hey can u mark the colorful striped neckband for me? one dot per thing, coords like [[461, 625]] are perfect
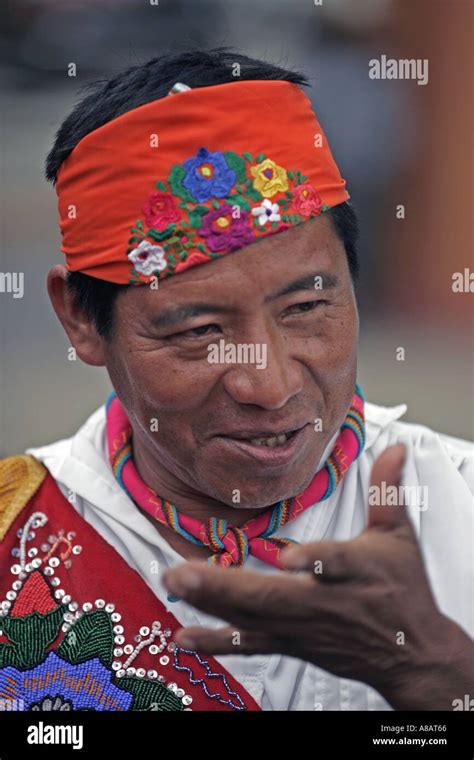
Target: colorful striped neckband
[[231, 545]]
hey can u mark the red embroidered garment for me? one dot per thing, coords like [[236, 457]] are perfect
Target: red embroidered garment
[[81, 630]]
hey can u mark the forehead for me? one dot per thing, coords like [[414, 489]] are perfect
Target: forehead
[[257, 269]]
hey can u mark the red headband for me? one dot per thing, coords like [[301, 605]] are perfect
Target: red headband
[[191, 177]]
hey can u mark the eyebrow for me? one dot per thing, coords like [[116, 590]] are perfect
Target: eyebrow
[[179, 314]]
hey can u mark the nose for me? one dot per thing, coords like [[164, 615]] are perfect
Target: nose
[[271, 386]]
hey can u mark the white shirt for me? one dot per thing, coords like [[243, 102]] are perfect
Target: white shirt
[[80, 466]]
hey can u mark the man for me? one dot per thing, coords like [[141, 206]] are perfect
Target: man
[[235, 432]]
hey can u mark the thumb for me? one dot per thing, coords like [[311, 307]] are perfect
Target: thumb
[[386, 508]]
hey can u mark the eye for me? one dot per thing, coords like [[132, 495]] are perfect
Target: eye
[[301, 308], [197, 332]]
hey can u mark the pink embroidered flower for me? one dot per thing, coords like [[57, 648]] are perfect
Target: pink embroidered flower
[[306, 200], [160, 210], [194, 258]]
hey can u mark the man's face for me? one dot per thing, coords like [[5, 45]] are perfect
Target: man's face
[[158, 361]]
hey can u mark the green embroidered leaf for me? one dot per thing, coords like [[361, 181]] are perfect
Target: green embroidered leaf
[[161, 186], [274, 225], [183, 205], [8, 655], [195, 220], [132, 240], [283, 202], [237, 164], [156, 235], [260, 158], [248, 156], [201, 210], [90, 636], [140, 233], [250, 191], [175, 180], [215, 203], [201, 247], [288, 194], [290, 175], [239, 200], [324, 207], [150, 695], [139, 224], [182, 255], [32, 634], [285, 217]]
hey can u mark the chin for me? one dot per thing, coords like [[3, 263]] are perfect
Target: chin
[[264, 494]]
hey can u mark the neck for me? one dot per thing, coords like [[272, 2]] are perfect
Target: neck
[[190, 501], [187, 500]]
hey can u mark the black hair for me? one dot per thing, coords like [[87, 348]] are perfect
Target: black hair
[[108, 99]]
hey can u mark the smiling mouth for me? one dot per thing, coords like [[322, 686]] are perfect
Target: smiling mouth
[[273, 441]]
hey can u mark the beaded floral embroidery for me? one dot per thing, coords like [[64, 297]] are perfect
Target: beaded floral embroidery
[[89, 667], [214, 203]]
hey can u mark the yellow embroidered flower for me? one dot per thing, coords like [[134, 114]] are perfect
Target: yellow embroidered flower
[[270, 178]]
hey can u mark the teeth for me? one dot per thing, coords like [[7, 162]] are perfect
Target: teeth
[[277, 440]]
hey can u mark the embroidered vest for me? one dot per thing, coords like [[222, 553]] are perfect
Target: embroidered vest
[[79, 628]]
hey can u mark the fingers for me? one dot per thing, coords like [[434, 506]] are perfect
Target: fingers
[[386, 508], [244, 597], [329, 561], [228, 640]]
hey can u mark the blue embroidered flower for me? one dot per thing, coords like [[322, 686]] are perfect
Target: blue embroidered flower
[[208, 175], [87, 685]]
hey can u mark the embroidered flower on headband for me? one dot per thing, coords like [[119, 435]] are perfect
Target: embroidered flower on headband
[[148, 258], [267, 212], [160, 210], [223, 231], [270, 179], [213, 203], [208, 175]]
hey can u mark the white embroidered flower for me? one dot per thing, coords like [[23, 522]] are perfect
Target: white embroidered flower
[[267, 212], [148, 258]]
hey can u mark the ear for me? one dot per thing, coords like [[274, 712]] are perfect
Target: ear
[[80, 329]]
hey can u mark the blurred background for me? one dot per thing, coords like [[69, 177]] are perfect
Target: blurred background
[[396, 142]]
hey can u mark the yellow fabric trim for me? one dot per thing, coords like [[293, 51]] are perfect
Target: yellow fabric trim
[[20, 477]]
